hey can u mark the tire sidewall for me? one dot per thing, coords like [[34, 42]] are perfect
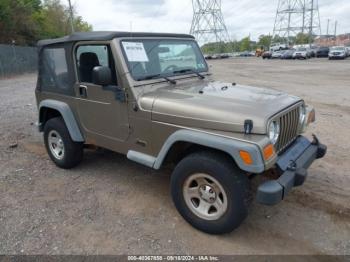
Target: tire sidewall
[[72, 150], [233, 182]]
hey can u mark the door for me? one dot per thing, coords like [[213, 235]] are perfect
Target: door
[[103, 116]]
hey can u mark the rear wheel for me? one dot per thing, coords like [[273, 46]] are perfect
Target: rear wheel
[[63, 151], [210, 192]]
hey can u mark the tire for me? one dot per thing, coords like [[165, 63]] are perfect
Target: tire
[[57, 139], [230, 187]]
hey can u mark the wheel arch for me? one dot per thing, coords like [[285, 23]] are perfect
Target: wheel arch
[[200, 140], [51, 108]]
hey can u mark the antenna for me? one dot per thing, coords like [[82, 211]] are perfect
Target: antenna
[[208, 24], [296, 16]]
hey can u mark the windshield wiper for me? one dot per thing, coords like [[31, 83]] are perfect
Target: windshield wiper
[[172, 81], [190, 71]]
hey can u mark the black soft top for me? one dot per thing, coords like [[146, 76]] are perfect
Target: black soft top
[[105, 35]]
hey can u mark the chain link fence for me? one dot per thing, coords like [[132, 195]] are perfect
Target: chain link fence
[[16, 60]]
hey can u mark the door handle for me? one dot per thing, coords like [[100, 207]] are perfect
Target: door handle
[[83, 91]]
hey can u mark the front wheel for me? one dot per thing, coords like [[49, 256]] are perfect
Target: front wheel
[[210, 192]]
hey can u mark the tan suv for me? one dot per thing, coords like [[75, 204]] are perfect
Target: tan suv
[[151, 97]]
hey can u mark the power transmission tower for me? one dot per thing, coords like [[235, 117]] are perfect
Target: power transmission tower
[[297, 16], [208, 24]]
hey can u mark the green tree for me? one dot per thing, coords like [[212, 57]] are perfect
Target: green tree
[[303, 39], [25, 22], [16, 22], [245, 44], [264, 41]]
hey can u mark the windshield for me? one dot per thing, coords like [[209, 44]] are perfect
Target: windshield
[[338, 48], [301, 49], [157, 58]]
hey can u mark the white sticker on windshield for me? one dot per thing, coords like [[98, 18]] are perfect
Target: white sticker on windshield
[[135, 52]]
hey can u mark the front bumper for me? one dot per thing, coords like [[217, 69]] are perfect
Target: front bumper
[[292, 165], [337, 56], [299, 56]]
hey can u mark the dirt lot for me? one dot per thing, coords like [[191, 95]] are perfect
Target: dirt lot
[[109, 205]]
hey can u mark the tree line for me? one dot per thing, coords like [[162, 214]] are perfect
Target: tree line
[[245, 44], [24, 22]]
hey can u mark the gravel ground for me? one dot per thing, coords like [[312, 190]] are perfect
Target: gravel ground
[[109, 205]]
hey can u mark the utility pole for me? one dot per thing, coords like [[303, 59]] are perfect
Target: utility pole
[[304, 11], [311, 23], [335, 32], [328, 26], [71, 16]]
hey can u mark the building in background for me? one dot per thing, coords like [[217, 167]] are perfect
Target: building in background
[[331, 40]]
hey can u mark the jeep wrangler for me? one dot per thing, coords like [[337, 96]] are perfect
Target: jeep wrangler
[[151, 96]]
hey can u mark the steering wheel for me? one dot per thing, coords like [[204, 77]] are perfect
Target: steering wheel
[[168, 68]]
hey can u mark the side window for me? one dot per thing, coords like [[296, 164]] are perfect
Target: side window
[[54, 71], [89, 56]]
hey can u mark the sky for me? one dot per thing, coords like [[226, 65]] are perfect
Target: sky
[[242, 17]]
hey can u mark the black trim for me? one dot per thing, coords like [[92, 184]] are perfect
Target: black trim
[[106, 36], [299, 157]]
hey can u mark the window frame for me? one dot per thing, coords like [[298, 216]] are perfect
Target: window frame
[[110, 53], [206, 69], [56, 89]]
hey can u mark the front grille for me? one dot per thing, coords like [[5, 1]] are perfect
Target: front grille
[[289, 127]]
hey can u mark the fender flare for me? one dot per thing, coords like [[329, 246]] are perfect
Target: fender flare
[[230, 146], [67, 115]]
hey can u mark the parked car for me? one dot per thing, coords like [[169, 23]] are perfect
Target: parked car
[[246, 54], [322, 52], [288, 54], [208, 57], [224, 56], [313, 51], [112, 90], [278, 46], [301, 53], [347, 50], [266, 55], [277, 54], [337, 52]]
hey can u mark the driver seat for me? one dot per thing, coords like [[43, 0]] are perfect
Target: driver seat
[[87, 62]]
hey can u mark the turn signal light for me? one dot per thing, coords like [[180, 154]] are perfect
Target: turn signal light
[[247, 159], [268, 151], [312, 117]]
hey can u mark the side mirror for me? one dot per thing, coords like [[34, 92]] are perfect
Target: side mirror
[[102, 75]]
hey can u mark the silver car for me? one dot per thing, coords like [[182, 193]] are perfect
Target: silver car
[[302, 53], [337, 52], [277, 54]]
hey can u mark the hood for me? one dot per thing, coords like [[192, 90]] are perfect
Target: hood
[[215, 105]]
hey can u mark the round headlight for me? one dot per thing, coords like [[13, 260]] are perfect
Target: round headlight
[[274, 131], [302, 115]]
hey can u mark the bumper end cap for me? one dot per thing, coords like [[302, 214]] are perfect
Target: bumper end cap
[[270, 193], [321, 151]]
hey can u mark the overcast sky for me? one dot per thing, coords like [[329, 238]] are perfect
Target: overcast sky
[[242, 17]]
